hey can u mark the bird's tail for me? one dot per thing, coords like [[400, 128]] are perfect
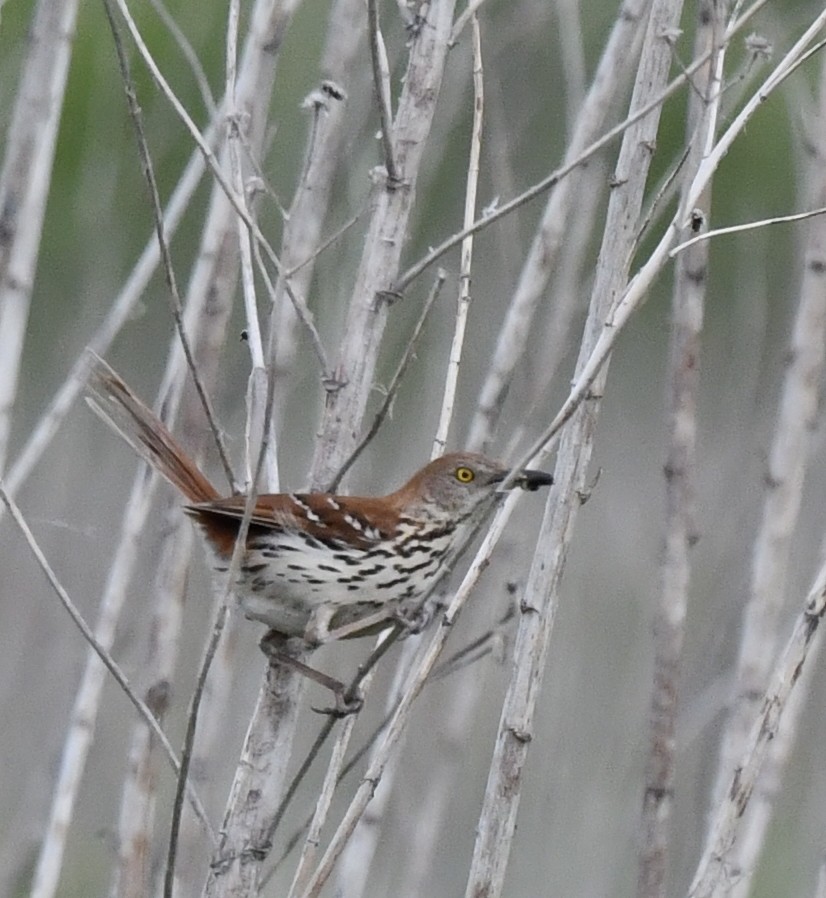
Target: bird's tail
[[112, 400]]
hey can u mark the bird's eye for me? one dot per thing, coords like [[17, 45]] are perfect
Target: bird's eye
[[464, 475]]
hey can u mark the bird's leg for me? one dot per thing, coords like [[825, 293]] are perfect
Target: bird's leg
[[347, 701], [317, 632], [368, 624]]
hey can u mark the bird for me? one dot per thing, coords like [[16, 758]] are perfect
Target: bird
[[322, 566]]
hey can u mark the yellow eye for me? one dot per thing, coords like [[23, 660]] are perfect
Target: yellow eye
[[464, 475]]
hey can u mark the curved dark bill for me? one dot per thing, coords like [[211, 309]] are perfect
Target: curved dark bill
[[532, 480]]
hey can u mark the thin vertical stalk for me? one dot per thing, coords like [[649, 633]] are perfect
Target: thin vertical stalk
[[688, 304], [463, 305], [392, 205], [497, 820], [611, 77], [257, 789], [797, 415], [24, 185]]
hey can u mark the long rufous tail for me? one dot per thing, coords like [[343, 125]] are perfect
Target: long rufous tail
[[112, 400]]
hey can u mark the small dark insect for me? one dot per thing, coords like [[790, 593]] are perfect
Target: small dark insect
[[333, 90]]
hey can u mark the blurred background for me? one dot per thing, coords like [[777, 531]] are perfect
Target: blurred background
[[579, 815]]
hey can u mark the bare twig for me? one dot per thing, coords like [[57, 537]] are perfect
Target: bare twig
[[748, 226], [775, 541], [556, 176], [24, 185], [637, 290], [234, 199], [367, 313], [461, 22], [463, 306], [189, 55], [497, 820], [166, 259], [395, 381], [381, 85], [688, 305], [326, 243], [710, 880], [100, 650]]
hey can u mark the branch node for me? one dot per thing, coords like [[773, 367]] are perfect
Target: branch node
[[333, 381], [520, 734], [388, 296]]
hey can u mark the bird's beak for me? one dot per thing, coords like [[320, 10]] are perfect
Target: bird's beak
[[532, 480]]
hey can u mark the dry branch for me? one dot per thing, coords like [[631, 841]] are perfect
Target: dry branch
[[256, 792], [688, 306], [497, 820], [24, 185], [775, 541]]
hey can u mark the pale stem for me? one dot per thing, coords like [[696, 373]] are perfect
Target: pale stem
[[100, 650], [381, 85], [214, 165], [556, 176], [234, 127], [552, 236], [711, 879], [398, 722], [463, 305], [360, 852], [788, 462], [497, 820], [257, 383], [24, 185], [637, 290], [121, 311], [367, 312], [688, 305]]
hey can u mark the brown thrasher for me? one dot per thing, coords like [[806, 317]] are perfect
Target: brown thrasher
[[321, 566]]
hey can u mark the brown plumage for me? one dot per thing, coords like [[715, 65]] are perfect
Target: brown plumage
[[318, 565]]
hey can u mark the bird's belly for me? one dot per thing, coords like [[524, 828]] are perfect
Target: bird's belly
[[283, 581]]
